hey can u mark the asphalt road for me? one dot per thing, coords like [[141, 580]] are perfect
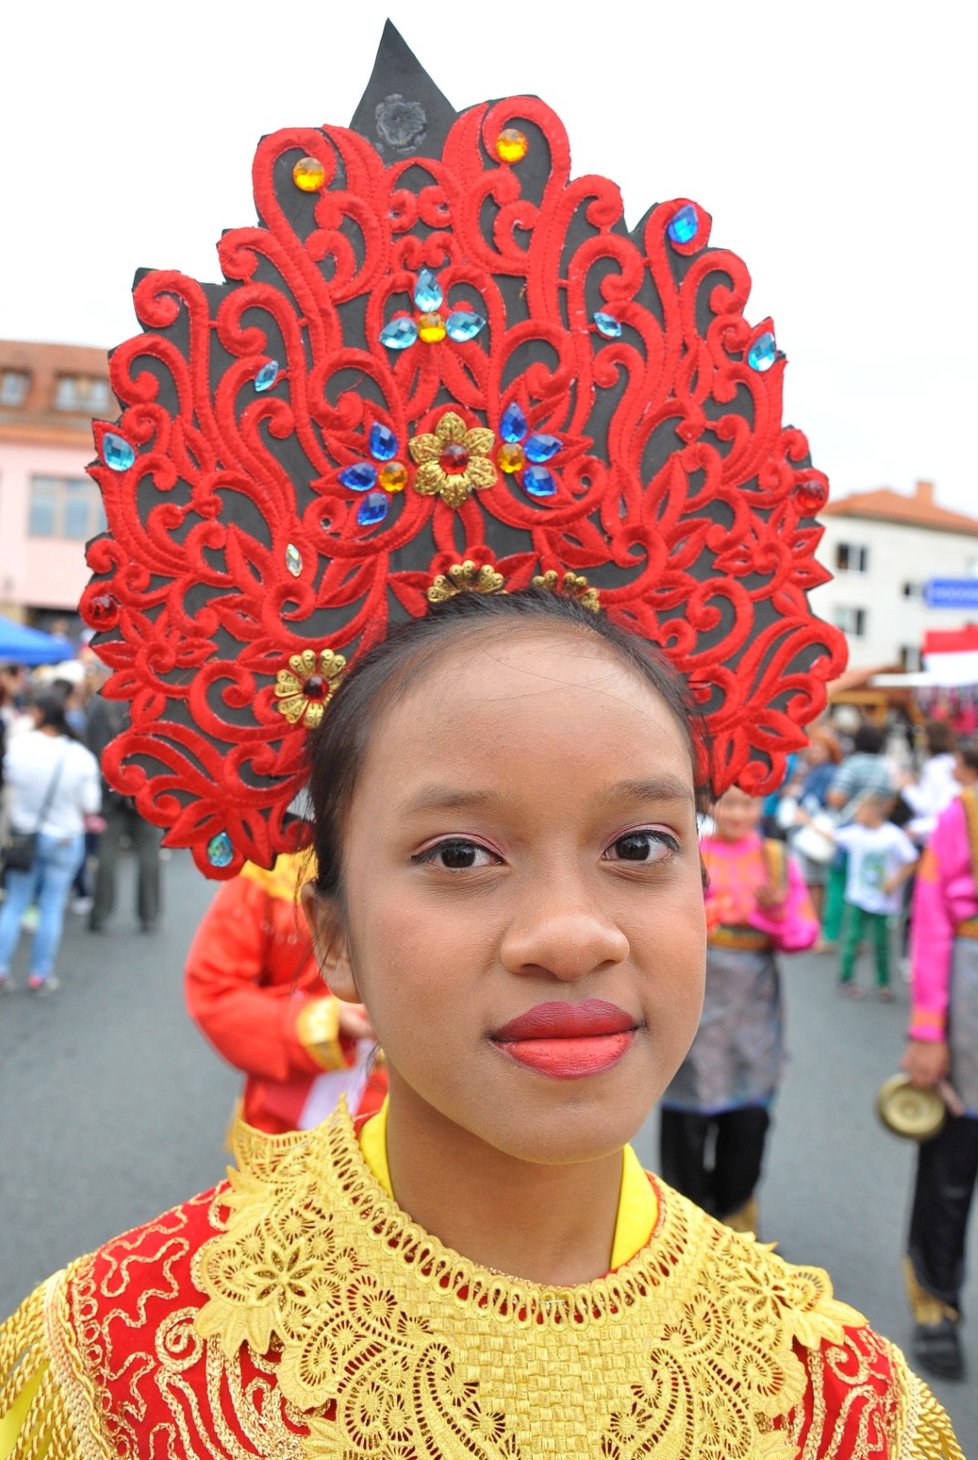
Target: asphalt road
[[112, 1108]]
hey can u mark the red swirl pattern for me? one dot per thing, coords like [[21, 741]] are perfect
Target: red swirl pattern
[[233, 544]]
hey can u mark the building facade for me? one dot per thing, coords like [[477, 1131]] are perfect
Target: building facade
[[49, 507], [883, 548]]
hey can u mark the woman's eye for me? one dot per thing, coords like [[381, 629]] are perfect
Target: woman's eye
[[457, 856], [643, 847]]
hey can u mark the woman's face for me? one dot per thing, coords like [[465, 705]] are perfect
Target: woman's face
[[523, 911]]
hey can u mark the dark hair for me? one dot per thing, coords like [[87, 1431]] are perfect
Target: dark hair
[[50, 706], [338, 747], [868, 739], [968, 751], [939, 736]]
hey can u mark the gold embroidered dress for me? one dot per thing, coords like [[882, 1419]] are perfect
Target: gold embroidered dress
[[297, 1312]]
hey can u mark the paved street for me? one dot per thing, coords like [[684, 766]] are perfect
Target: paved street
[[113, 1109]]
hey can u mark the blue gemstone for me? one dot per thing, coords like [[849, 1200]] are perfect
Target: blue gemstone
[[463, 324], [400, 333], [428, 295], [267, 375], [373, 509], [541, 448], [538, 482], [763, 352], [383, 443], [608, 325], [117, 454], [512, 427], [684, 225], [359, 478], [220, 852]]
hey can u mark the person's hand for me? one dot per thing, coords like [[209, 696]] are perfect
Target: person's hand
[[926, 1061], [771, 899], [355, 1022], [892, 883]]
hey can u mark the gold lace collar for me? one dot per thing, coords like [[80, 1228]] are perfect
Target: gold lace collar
[[412, 1350]]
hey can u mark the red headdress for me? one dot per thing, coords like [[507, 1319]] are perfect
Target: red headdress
[[439, 363]]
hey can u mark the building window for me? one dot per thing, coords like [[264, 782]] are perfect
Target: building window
[[65, 507], [14, 385], [910, 658], [912, 590], [851, 621], [851, 557], [86, 395]]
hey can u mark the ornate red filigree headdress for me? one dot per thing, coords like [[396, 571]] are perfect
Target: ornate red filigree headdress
[[438, 364]]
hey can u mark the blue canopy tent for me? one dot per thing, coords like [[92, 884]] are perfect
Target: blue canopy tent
[[21, 645]]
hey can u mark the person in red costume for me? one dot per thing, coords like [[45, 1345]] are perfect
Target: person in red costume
[[254, 987]]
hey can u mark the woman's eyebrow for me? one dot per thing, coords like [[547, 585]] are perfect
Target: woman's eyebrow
[[447, 798], [659, 788]]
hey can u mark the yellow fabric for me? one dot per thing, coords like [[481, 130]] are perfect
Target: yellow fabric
[[416, 1351], [379, 1332], [637, 1206], [291, 870], [36, 1419]]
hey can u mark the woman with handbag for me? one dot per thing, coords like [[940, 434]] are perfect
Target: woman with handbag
[[52, 784]]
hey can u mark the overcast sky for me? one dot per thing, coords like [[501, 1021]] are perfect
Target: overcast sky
[[833, 143]]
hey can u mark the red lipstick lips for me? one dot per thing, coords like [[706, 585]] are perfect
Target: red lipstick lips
[[568, 1041]]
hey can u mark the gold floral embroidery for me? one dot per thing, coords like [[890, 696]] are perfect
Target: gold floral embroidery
[[305, 689], [465, 577], [388, 1344], [453, 460], [572, 585]]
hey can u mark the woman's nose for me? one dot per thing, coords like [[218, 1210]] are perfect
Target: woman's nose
[[563, 934]]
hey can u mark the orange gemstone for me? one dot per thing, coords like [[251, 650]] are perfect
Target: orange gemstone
[[431, 328], [392, 476], [511, 456], [309, 174], [511, 145]]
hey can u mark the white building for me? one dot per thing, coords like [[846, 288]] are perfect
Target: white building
[[882, 548]]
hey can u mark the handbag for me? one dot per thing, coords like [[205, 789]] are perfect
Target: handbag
[[18, 851], [814, 840]]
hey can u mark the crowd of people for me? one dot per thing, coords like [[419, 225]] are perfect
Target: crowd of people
[[892, 857], [68, 823]]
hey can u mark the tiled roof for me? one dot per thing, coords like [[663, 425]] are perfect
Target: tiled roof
[[920, 510], [37, 418]]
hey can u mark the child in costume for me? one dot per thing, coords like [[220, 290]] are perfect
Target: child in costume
[[880, 858], [719, 1100], [444, 385], [253, 985], [943, 1045]]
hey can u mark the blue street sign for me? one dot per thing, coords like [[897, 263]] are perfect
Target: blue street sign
[[951, 593]]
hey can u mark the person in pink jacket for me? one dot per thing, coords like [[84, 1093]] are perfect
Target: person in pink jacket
[[942, 1051], [757, 905]]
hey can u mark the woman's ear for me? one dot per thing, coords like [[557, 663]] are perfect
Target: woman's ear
[[329, 941]]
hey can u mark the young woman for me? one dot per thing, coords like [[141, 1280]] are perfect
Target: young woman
[[508, 878], [445, 384]]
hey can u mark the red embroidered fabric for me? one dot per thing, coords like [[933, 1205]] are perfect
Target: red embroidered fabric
[[233, 545]]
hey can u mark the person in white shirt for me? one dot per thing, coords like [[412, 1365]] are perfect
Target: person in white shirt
[[880, 858], [52, 783]]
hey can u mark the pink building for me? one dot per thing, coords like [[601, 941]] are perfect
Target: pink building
[[49, 507]]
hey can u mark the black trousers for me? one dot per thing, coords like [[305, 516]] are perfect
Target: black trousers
[[947, 1168], [715, 1160]]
